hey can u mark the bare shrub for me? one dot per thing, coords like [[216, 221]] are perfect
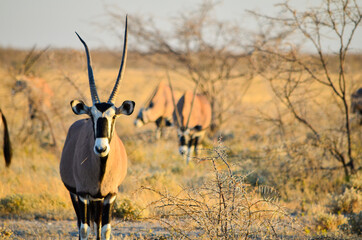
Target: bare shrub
[[313, 89], [222, 206], [204, 50]]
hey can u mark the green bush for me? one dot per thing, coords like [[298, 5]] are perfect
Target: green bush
[[329, 222], [15, 204], [346, 203], [356, 181], [127, 210], [43, 205]]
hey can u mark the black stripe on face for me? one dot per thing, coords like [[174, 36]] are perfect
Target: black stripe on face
[[102, 128], [182, 140], [102, 107]]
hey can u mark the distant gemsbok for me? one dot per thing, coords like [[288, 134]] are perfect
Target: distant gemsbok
[[356, 104], [6, 140], [192, 116], [40, 100], [94, 160], [158, 109]]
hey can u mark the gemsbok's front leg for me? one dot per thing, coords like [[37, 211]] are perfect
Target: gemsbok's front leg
[[190, 149], [97, 209], [107, 215], [84, 229], [75, 202]]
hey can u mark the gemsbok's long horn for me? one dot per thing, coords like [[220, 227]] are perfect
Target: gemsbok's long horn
[[173, 100], [192, 104], [92, 84], [113, 96]]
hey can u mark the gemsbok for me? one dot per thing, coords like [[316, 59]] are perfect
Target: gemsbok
[[192, 115], [39, 97], [6, 140], [158, 109], [94, 160], [356, 104]]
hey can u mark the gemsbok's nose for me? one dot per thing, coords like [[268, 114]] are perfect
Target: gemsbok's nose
[[101, 149], [183, 150]]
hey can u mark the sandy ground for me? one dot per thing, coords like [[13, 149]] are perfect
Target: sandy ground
[[26, 229]]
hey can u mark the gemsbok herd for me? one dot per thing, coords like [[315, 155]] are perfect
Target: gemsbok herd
[[94, 161]]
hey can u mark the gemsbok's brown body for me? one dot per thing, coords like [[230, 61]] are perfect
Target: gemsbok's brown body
[[39, 96], [356, 104], [94, 160], [193, 116], [157, 110], [6, 140]]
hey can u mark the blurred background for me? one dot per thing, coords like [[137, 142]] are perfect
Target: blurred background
[[282, 78]]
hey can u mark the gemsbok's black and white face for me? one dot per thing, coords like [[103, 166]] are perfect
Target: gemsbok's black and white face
[[103, 116], [186, 138], [183, 135]]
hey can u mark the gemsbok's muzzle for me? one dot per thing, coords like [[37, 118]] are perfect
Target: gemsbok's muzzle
[[101, 145]]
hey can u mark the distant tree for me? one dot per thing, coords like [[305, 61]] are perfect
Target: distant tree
[[292, 73], [201, 48]]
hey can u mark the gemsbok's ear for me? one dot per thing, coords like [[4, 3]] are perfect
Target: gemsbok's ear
[[79, 107], [126, 108]]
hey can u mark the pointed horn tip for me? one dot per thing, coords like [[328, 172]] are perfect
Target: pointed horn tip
[[115, 90], [126, 22], [77, 34], [81, 39]]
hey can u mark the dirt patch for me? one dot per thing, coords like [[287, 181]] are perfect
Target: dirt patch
[[66, 229]]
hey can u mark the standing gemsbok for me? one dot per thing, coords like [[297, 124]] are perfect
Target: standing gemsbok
[[192, 116], [158, 109], [94, 160]]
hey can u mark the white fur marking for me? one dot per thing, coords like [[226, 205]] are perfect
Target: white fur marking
[[95, 228], [109, 200], [84, 231], [106, 231], [138, 123], [189, 154], [183, 150], [84, 200], [101, 143]]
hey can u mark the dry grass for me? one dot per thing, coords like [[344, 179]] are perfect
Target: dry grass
[[257, 149]]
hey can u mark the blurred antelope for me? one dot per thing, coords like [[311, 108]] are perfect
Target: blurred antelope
[[356, 104], [6, 144], [192, 116], [158, 109], [39, 96], [94, 160]]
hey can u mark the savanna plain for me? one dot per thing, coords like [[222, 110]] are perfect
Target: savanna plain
[[260, 175]]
